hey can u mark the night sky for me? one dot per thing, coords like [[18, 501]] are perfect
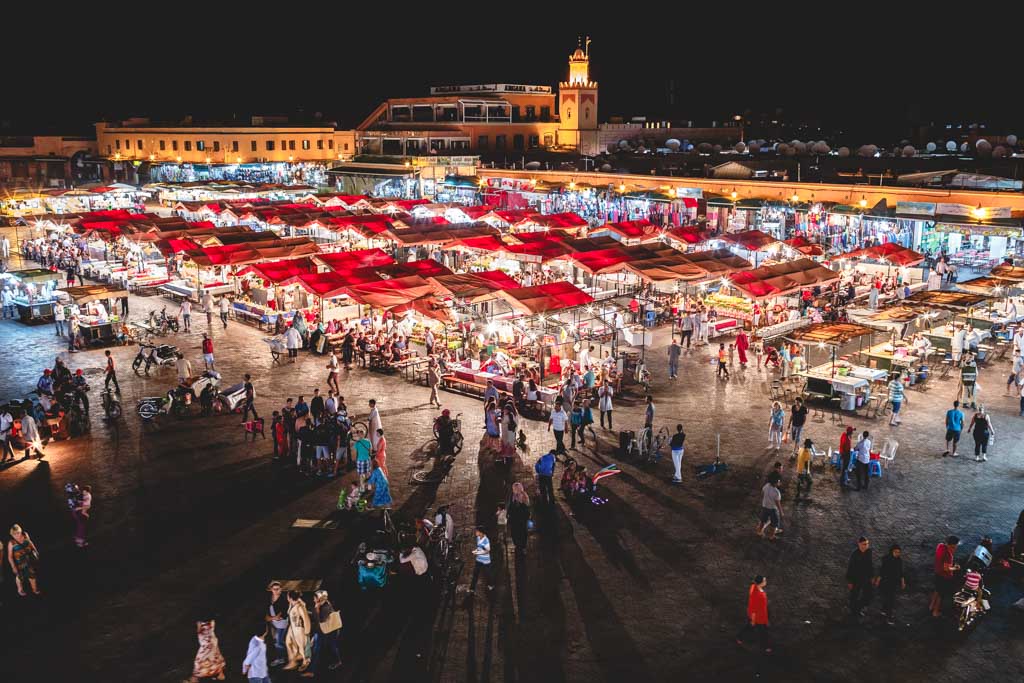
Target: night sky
[[867, 81]]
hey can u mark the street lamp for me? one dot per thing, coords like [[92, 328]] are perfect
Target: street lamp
[[795, 198], [863, 201], [734, 194]]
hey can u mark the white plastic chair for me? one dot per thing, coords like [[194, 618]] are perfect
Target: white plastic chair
[[888, 453]]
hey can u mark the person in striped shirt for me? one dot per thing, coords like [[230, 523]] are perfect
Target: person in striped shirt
[[896, 397], [483, 560]]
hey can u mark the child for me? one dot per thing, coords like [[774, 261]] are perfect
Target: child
[[277, 435], [501, 518], [721, 362], [732, 353]]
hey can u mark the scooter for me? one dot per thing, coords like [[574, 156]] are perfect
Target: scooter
[[970, 607], [161, 355], [152, 406], [162, 323]]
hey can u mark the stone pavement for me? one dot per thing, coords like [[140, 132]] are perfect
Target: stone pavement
[[651, 586]]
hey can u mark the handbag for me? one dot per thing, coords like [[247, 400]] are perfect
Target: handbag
[[332, 624]]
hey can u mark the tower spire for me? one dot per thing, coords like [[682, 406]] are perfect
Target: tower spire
[[587, 51]]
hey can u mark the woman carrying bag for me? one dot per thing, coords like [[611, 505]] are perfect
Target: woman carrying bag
[[984, 434], [328, 633]]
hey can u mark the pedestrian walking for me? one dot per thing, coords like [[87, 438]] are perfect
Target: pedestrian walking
[[558, 421], [982, 430], [742, 344], [30, 437], [186, 314], [110, 373], [326, 623], [374, 423], [803, 470], [483, 561], [225, 308], [757, 615], [208, 306], [184, 368], [896, 397], [770, 520], [545, 469], [797, 420], [945, 574], [124, 307], [254, 666], [6, 434], [434, 381], [686, 329], [677, 445], [606, 392], [297, 639], [890, 579], [208, 352], [723, 368], [80, 515], [674, 351], [859, 577], [250, 398], [332, 371], [293, 342], [23, 556], [862, 452], [519, 516], [954, 425], [776, 420], [209, 662]]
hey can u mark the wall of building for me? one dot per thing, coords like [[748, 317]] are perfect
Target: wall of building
[[46, 162], [822, 192], [611, 133], [222, 144], [546, 134]]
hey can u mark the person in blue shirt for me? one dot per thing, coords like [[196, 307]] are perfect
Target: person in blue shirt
[[301, 408], [45, 383], [954, 425], [483, 560], [545, 469], [381, 488]]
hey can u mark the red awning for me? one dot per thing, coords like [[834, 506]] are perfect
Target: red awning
[[329, 285], [498, 278], [601, 260], [890, 252], [689, 234], [342, 261], [281, 272], [751, 240], [428, 306], [781, 278], [633, 230], [550, 297], [424, 268], [389, 293]]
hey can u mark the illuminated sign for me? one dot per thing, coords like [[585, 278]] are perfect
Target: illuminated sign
[[492, 87]]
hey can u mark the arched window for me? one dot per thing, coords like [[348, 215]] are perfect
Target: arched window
[[586, 113], [568, 113]]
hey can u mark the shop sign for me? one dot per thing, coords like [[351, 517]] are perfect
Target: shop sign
[[987, 230], [965, 210], [915, 208]]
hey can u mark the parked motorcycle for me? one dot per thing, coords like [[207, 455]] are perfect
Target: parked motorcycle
[[972, 605], [161, 355], [152, 406], [111, 404], [161, 323]]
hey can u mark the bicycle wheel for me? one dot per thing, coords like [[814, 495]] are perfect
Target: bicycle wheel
[[357, 426], [136, 364], [114, 410], [645, 441], [457, 443]]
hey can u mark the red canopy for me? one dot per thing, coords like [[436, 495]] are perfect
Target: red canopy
[[389, 293], [428, 306], [557, 221], [890, 252], [341, 261], [424, 268], [281, 272], [329, 285], [227, 255], [801, 244], [498, 278], [751, 240], [634, 230], [550, 297], [690, 234], [601, 260], [781, 278]]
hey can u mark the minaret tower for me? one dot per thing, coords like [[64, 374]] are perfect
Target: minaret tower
[[577, 104]]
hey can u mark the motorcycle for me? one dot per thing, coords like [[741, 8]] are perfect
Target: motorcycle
[[162, 324], [161, 355], [111, 404], [152, 406], [971, 605]]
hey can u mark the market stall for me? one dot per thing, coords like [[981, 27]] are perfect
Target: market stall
[[95, 307], [837, 377], [33, 291]]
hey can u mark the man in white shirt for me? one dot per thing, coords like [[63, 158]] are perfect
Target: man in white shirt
[[58, 318], [374, 423], [208, 306], [184, 368], [6, 425], [186, 314], [5, 248], [862, 451], [604, 402], [8, 304], [557, 422], [415, 556]]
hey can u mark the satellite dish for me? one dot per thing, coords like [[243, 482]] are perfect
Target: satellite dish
[[951, 146], [964, 147], [930, 147], [1011, 140], [909, 151], [800, 147], [623, 144], [689, 147], [844, 152], [821, 147], [717, 148], [740, 147], [673, 144], [533, 165], [606, 168]]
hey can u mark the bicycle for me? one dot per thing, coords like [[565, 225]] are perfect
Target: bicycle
[[457, 438], [651, 443]]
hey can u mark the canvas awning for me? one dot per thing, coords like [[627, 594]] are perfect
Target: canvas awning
[[890, 252], [751, 240], [801, 244], [718, 261], [689, 234], [952, 301], [34, 275], [389, 293], [641, 229], [1008, 272], [281, 272], [428, 306], [341, 261], [781, 279], [989, 285], [832, 334], [329, 285], [85, 294]]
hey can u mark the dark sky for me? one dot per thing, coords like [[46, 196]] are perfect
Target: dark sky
[[867, 80]]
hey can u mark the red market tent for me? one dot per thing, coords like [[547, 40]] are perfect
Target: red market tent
[[751, 240], [718, 261], [689, 234], [641, 229], [424, 268], [341, 261], [281, 272], [890, 252], [428, 306], [550, 297], [498, 279], [227, 255], [782, 278], [389, 293], [329, 285], [556, 221], [601, 260], [666, 269], [805, 247]]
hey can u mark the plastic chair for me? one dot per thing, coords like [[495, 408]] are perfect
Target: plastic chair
[[649, 318], [875, 468], [888, 453]]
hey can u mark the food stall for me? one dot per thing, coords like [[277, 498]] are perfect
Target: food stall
[[837, 377], [773, 284], [962, 304], [33, 292], [95, 306]]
